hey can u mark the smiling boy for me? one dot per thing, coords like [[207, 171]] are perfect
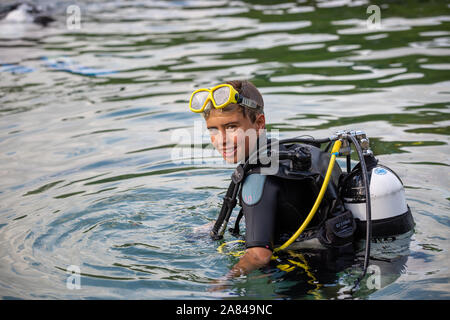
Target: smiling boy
[[235, 125]]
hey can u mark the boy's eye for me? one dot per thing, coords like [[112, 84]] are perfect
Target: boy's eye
[[231, 127]]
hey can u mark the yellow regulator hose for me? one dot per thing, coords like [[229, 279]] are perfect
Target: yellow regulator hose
[[334, 152]]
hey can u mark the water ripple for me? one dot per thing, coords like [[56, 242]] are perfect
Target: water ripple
[[87, 119]]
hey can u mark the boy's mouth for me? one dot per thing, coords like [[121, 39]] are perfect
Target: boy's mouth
[[229, 153]]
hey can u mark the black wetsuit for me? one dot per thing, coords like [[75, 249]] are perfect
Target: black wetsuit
[[274, 206]]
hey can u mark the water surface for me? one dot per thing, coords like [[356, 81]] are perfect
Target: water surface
[[88, 116]]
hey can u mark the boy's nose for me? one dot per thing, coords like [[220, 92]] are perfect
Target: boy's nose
[[228, 140]]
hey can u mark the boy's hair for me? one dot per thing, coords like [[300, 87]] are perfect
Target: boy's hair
[[248, 90]]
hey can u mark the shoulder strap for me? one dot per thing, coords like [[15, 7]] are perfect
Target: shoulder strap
[[229, 202], [235, 230]]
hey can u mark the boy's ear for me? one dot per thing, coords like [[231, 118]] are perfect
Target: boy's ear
[[260, 121]]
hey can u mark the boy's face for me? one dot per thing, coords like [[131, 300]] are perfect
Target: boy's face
[[234, 135]]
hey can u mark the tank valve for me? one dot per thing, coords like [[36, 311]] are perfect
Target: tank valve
[[360, 135]]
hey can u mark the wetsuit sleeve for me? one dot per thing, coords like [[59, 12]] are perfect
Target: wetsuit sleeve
[[259, 203]]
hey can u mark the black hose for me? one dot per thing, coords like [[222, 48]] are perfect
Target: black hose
[[305, 140], [368, 206], [224, 212], [328, 147], [349, 163], [229, 211]]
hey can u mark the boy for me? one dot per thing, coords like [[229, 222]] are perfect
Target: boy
[[235, 126]]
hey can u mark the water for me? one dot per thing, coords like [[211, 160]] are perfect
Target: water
[[87, 119]]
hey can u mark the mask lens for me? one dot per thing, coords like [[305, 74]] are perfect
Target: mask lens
[[221, 96], [198, 100]]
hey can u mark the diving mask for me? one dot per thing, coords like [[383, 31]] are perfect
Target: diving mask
[[220, 96]]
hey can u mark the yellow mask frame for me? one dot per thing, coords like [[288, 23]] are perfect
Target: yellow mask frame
[[204, 96]]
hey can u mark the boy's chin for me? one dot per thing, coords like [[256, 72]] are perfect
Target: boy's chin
[[234, 160], [231, 160]]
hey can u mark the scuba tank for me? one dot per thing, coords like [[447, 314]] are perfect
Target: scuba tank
[[390, 215]]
